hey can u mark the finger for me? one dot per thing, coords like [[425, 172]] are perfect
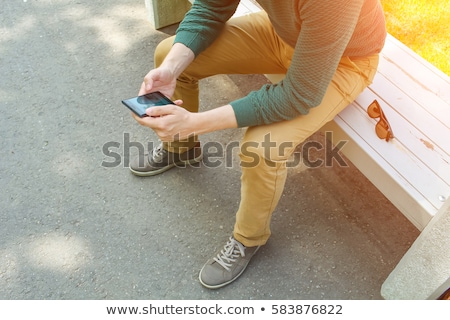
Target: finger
[[138, 119], [149, 80], [160, 111], [178, 102], [148, 85], [149, 122], [142, 90]]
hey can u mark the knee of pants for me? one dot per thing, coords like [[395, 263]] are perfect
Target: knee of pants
[[264, 151], [162, 49], [265, 144]]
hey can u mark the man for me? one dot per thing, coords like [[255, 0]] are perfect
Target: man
[[328, 50]]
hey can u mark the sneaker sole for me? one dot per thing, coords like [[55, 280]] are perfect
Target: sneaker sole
[[163, 169], [217, 286]]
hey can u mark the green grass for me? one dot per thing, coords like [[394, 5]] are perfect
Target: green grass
[[422, 25]]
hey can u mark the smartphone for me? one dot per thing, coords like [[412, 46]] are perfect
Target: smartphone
[[141, 103]]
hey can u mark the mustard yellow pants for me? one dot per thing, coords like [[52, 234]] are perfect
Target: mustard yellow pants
[[249, 45]]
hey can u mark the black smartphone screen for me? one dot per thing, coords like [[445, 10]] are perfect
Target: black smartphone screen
[[139, 104]]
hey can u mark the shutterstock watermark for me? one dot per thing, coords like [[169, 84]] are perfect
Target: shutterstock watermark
[[312, 153]]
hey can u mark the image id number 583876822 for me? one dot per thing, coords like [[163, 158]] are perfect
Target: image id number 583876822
[[306, 309]]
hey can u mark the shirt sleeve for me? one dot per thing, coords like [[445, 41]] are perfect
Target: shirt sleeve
[[203, 23], [326, 28]]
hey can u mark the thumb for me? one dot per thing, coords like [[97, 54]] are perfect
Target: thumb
[[159, 111]]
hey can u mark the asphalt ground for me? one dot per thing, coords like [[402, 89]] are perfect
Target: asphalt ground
[[76, 224]]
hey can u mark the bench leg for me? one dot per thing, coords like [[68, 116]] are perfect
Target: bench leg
[[162, 13], [424, 271]]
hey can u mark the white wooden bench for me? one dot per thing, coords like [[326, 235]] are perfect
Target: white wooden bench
[[413, 169]]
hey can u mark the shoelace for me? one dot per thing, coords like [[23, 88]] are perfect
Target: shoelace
[[232, 250], [158, 153]]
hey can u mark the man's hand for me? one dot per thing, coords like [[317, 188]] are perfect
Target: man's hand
[[169, 122], [172, 122], [159, 79], [164, 77]]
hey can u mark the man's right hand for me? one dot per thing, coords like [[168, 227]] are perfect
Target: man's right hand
[[159, 79], [165, 76]]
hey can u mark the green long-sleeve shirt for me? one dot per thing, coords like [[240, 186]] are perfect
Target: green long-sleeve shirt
[[321, 33]]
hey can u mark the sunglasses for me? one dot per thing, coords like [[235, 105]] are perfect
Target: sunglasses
[[382, 128]]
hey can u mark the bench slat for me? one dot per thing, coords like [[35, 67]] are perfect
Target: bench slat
[[433, 95], [247, 7], [433, 104], [423, 77]]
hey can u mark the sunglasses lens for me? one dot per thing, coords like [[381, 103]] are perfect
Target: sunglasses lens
[[374, 110], [383, 130]]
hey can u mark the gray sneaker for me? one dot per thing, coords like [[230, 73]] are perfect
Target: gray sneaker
[[227, 265], [160, 160]]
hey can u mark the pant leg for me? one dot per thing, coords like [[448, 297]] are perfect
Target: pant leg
[[263, 181], [247, 45]]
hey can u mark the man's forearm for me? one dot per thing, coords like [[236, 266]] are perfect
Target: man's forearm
[[214, 120], [178, 58]]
